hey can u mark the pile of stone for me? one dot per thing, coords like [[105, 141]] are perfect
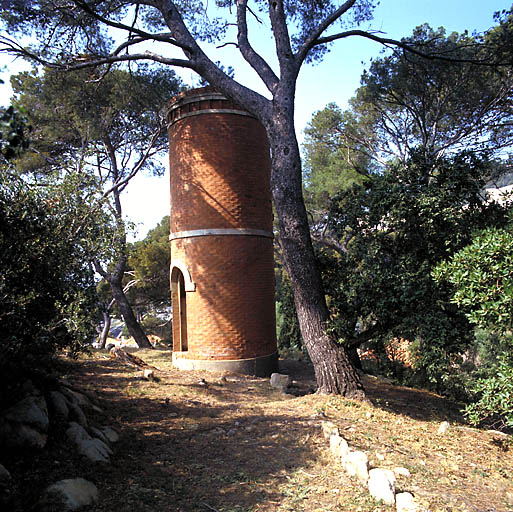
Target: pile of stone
[[27, 424], [380, 482]]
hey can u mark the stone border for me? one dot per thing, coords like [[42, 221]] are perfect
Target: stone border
[[380, 482]]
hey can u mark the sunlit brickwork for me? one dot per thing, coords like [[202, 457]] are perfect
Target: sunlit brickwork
[[222, 277]]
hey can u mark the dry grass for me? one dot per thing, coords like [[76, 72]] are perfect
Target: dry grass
[[236, 445]]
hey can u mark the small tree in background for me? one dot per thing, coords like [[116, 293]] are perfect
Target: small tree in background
[[149, 260]]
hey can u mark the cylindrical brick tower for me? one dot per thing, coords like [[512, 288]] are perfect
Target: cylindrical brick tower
[[222, 272]]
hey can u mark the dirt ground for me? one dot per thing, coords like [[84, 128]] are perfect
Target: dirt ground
[[198, 441]]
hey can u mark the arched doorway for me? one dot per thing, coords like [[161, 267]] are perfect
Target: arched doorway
[[179, 305]]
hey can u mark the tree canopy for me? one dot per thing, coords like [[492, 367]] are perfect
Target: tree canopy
[[150, 260], [109, 126], [408, 103]]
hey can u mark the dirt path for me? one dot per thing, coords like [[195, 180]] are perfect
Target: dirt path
[[199, 441]]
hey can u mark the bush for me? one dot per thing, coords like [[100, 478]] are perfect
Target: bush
[[482, 278], [47, 289], [494, 395]]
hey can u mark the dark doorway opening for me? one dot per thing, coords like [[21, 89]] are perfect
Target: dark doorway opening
[[179, 304]]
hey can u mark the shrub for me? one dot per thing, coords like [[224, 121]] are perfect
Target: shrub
[[47, 289], [482, 278]]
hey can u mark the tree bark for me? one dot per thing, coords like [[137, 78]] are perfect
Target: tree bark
[[333, 370], [106, 328], [127, 313]]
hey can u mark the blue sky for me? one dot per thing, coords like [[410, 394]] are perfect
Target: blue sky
[[334, 80]]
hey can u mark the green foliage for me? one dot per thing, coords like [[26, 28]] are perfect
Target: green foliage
[[13, 133], [158, 327], [289, 334], [407, 101], [494, 395], [109, 124], [482, 276], [150, 260], [47, 288], [499, 39], [396, 228], [76, 115], [331, 163]]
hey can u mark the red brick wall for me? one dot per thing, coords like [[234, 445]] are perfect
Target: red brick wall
[[220, 174]]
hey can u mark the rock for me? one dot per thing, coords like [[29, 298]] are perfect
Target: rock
[[110, 434], [95, 450], [80, 399], [280, 381], [77, 414], [58, 406], [329, 429], [96, 432], [382, 485], [400, 471], [357, 464], [28, 388], [339, 447], [77, 433], [18, 435], [405, 502], [5, 476], [68, 495], [443, 428], [380, 456], [30, 411], [148, 374]]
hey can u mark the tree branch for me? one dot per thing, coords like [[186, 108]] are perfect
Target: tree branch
[[314, 35], [355, 341], [341, 248], [165, 38], [255, 103], [262, 68], [405, 46], [13, 48], [282, 38]]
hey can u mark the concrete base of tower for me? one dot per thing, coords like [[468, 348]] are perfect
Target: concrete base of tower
[[258, 366]]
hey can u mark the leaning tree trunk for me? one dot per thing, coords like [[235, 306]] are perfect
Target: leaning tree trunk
[[333, 370], [106, 328], [127, 313], [115, 278]]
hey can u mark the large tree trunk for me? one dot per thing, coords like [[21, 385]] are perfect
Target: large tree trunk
[[127, 313], [333, 370]]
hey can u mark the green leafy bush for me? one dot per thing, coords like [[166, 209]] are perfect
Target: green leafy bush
[[482, 278], [47, 289], [494, 394]]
